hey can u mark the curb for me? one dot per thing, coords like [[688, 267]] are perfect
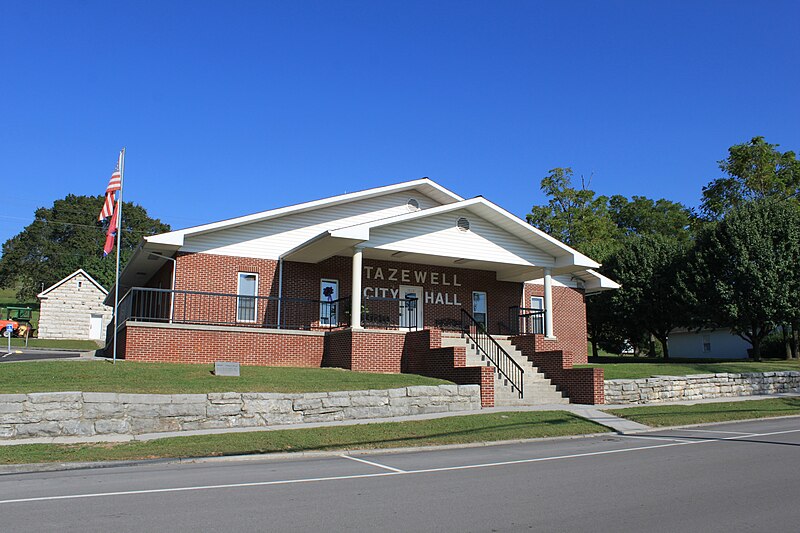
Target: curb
[[64, 467], [31, 468]]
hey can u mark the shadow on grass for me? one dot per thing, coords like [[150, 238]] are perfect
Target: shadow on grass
[[448, 437]]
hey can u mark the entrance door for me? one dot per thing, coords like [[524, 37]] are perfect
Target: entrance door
[[96, 327], [411, 307], [479, 307]]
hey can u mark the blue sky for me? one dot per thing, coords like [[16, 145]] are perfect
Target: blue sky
[[228, 108]]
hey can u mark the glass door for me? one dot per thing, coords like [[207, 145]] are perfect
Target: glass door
[[410, 307], [479, 307]]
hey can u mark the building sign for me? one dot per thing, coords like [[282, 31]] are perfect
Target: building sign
[[412, 277]]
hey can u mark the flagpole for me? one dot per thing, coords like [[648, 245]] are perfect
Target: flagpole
[[119, 240]]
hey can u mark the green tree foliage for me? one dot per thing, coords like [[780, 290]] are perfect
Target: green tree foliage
[[610, 230], [753, 170], [575, 216], [643, 216], [650, 299], [743, 272], [66, 237]]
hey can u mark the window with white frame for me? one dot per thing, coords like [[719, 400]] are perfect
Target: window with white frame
[[536, 322], [246, 301], [328, 305]]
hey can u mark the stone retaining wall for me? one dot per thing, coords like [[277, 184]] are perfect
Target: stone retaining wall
[[58, 414], [699, 386]]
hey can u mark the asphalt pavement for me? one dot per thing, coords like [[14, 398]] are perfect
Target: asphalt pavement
[[733, 477], [33, 354]]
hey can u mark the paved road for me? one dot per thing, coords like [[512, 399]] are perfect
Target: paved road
[[25, 354], [733, 477]]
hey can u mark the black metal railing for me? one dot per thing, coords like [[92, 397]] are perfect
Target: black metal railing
[[390, 313], [504, 363], [219, 309], [526, 320]]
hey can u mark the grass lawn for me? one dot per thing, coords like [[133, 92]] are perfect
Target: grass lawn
[[51, 343], [679, 415], [450, 430], [637, 370], [167, 378]]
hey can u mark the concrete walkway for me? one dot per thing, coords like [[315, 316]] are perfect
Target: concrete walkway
[[595, 413]]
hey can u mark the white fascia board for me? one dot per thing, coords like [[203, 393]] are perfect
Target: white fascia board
[[177, 237], [173, 238], [597, 282]]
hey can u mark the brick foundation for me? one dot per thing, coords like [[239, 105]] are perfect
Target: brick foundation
[[581, 385], [165, 343]]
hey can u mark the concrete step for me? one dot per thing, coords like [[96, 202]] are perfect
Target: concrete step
[[536, 387]]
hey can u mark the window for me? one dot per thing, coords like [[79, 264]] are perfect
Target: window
[[535, 322], [328, 306], [479, 307], [246, 301], [706, 343], [80, 283]]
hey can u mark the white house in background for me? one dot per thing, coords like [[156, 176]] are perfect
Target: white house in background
[[73, 308], [707, 343]]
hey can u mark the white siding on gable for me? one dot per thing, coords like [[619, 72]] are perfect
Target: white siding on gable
[[438, 235], [271, 238]]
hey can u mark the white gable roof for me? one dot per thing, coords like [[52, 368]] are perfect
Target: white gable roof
[[80, 271], [490, 212], [424, 185]]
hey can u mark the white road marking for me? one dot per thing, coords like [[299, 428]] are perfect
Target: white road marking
[[671, 439], [387, 474], [373, 464], [717, 431]]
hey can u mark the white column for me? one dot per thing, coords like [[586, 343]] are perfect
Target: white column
[[355, 295], [548, 304]]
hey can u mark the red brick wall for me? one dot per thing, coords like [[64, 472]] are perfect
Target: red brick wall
[[177, 345], [581, 385], [425, 356], [365, 351], [569, 318]]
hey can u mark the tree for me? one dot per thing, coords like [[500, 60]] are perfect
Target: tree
[[577, 217], [643, 216], [753, 170], [650, 298], [65, 237], [743, 274]]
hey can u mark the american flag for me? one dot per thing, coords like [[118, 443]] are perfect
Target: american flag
[[111, 234], [114, 184]]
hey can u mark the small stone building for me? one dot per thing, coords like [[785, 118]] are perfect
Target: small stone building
[[73, 308]]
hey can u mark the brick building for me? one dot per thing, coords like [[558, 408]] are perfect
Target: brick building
[[406, 277]]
